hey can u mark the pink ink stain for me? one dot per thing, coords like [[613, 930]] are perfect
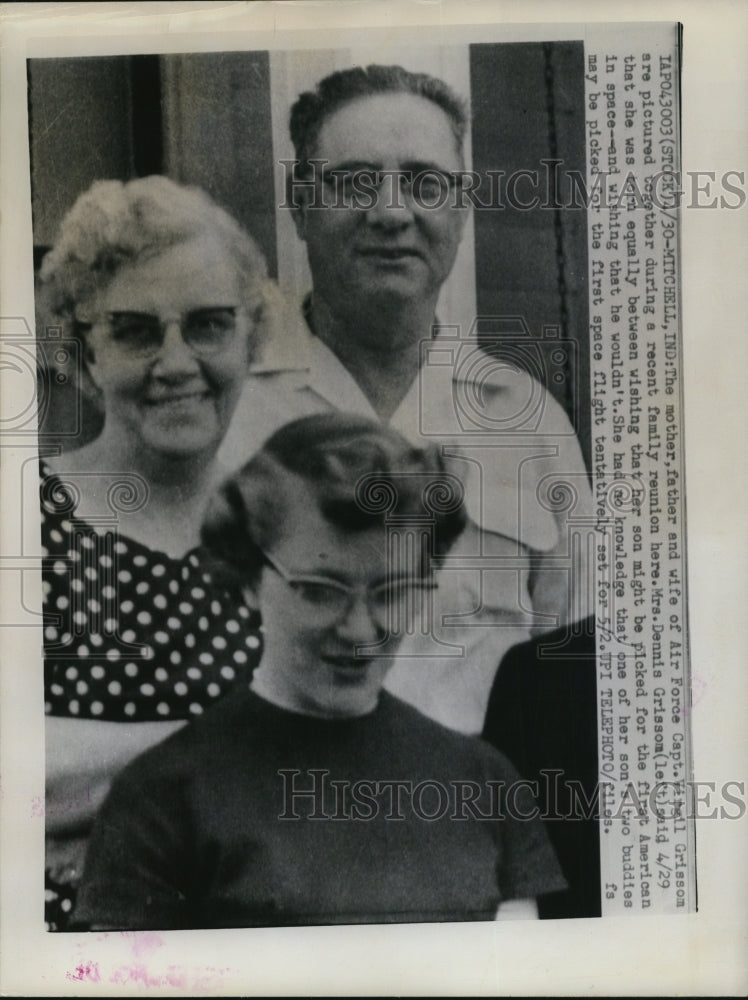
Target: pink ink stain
[[86, 973], [207, 981], [143, 942], [127, 975], [144, 945], [174, 976]]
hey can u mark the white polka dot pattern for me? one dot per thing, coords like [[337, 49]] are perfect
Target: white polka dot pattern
[[133, 634]]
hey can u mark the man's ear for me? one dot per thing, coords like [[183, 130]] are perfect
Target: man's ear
[[299, 212], [464, 212], [299, 220], [299, 193]]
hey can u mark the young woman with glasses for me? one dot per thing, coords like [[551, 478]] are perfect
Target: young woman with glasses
[[313, 796]]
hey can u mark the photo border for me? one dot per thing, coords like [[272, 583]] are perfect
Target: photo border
[[698, 953]]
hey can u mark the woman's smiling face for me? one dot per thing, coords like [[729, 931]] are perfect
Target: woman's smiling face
[[310, 665], [173, 400]]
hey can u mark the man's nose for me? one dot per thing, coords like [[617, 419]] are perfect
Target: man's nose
[[175, 357], [392, 208]]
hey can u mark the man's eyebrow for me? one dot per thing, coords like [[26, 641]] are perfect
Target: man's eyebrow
[[409, 166], [351, 165], [134, 313], [425, 166]]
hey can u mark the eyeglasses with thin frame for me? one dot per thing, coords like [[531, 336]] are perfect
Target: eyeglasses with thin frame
[[328, 602], [429, 187], [206, 331]]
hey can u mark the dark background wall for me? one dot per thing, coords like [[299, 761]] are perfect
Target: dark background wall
[[202, 119], [205, 119], [531, 264], [81, 129]]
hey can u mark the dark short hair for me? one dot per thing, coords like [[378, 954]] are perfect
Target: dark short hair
[[357, 471], [314, 106]]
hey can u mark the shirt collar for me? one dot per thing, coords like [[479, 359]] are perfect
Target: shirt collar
[[289, 345], [292, 347]]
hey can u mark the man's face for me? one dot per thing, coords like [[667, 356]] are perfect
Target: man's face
[[396, 248]]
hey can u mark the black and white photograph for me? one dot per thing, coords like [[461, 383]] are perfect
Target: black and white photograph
[[474, 430], [350, 483]]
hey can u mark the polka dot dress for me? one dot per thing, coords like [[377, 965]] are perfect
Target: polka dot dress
[[130, 635], [133, 635]]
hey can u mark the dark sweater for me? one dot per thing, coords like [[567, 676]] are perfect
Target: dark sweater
[[200, 830]]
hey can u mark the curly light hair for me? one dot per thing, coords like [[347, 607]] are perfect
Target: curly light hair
[[115, 223]]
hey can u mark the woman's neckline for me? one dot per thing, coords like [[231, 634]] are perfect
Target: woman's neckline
[[267, 698], [47, 471]]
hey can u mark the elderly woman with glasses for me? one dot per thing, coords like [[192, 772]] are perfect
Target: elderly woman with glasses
[[166, 297], [313, 796]]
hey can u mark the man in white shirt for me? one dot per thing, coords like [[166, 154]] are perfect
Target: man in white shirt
[[380, 212]]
